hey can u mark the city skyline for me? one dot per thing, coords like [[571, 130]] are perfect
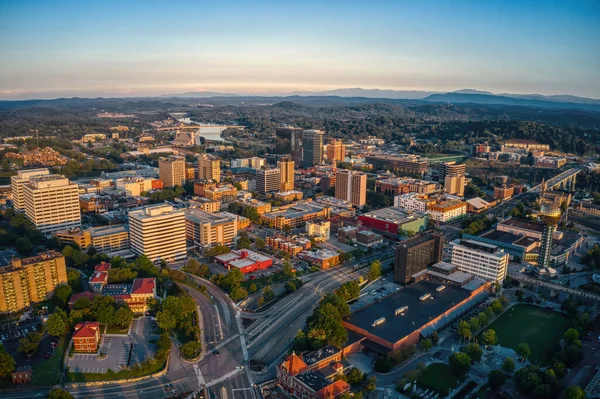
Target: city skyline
[[67, 49]]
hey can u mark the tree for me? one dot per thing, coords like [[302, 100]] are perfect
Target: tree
[[243, 242], [260, 243], [374, 270], [489, 337], [426, 344], [253, 288], [191, 349], [523, 350], [290, 286], [7, 363], [30, 343], [574, 392], [371, 384], [508, 366], [74, 280], [474, 323], [483, 319], [59, 393], [496, 306], [23, 246], [496, 379], [106, 314], [123, 317], [559, 369], [172, 305], [355, 376], [460, 363], [56, 326], [464, 330], [287, 269], [165, 320], [474, 351], [571, 335], [61, 295], [238, 293]]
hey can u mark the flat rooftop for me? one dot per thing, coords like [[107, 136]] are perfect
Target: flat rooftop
[[199, 216], [395, 215], [418, 313], [523, 224]]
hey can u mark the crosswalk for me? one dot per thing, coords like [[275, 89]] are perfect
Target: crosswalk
[[592, 384], [223, 378]]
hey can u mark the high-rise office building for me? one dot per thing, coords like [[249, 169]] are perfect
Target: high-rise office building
[[286, 174], [417, 254], [158, 232], [18, 181], [336, 151], [450, 168], [289, 141], [52, 203], [312, 147], [30, 280], [550, 215], [351, 186], [480, 259], [268, 180], [454, 184], [171, 171], [209, 167]]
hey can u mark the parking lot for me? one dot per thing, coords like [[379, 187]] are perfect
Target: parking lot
[[141, 343]]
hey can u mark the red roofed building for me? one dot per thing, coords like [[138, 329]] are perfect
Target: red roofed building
[[79, 295], [135, 295], [102, 267], [86, 336], [313, 376]]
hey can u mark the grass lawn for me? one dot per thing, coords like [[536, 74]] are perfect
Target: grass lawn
[[116, 330], [48, 372], [111, 375], [540, 328], [439, 377]]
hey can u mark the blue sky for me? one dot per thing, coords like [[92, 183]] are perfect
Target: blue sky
[[126, 48]]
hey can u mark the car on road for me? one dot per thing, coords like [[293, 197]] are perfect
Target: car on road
[[47, 355]]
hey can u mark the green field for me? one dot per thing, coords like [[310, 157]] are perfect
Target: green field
[[540, 328], [439, 377]]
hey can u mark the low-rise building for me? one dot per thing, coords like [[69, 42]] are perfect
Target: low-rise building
[[504, 192], [396, 186], [86, 337], [486, 261], [287, 196], [322, 258], [392, 220], [320, 230], [245, 260], [446, 210], [315, 375], [295, 215], [22, 375], [289, 245], [105, 239], [260, 206], [205, 204], [135, 295], [367, 238]]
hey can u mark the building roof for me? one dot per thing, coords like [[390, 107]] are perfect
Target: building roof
[[102, 267], [394, 215], [293, 364], [143, 286], [99, 277], [79, 295], [87, 329], [332, 390], [418, 313], [314, 380], [320, 354], [117, 290], [523, 224]]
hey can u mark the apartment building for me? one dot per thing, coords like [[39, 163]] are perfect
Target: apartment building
[[454, 184], [205, 204], [321, 230], [268, 180], [412, 202], [52, 203], [17, 183], [417, 254], [172, 171], [209, 229], [135, 186], [295, 215], [209, 167], [446, 210], [29, 280], [396, 186], [450, 168], [260, 206], [480, 259], [351, 186], [225, 193], [158, 232], [286, 174]]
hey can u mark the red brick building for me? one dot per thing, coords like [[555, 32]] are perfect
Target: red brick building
[[313, 375], [86, 337]]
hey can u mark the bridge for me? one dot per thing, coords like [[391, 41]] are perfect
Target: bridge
[[553, 286], [194, 128], [565, 181]]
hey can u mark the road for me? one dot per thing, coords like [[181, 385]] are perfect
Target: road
[[557, 287]]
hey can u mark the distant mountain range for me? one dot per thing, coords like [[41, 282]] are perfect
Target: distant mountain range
[[458, 96]]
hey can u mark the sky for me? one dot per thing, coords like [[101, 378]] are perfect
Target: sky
[[91, 48]]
